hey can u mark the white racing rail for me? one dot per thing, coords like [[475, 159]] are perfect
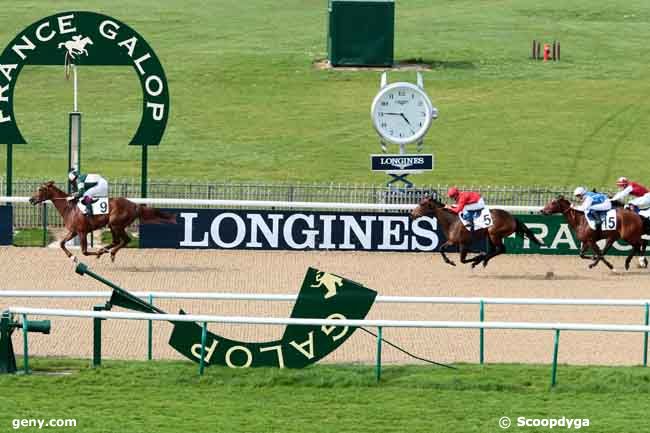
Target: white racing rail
[[49, 312], [379, 324], [282, 204], [217, 296]]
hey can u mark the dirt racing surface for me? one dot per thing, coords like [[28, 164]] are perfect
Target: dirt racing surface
[[404, 274]]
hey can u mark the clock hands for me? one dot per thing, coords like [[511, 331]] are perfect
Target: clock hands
[[403, 117]]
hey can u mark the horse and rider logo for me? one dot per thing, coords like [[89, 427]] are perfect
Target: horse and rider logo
[[77, 45], [329, 281]]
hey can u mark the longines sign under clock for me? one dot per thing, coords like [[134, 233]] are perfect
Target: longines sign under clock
[[401, 163], [293, 230]]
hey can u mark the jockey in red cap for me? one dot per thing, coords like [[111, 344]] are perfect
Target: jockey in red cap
[[640, 192], [467, 204]]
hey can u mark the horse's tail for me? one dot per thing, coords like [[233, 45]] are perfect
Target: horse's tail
[[61, 45], [523, 230], [149, 215]]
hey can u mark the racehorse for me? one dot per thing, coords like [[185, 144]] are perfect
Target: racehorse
[[629, 227], [122, 213], [503, 225]]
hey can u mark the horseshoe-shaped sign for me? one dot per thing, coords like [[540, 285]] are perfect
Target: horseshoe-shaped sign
[[322, 296], [85, 38]]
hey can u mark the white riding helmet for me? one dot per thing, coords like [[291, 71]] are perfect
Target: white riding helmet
[[622, 181], [580, 191]]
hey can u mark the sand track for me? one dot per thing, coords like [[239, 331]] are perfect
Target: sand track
[[388, 273]]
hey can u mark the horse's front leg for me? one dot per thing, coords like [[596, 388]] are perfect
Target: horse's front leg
[[599, 255], [447, 260], [583, 251], [464, 250], [65, 239], [83, 240]]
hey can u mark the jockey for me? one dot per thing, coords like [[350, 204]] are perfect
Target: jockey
[[87, 187], [592, 204], [467, 204], [640, 192]]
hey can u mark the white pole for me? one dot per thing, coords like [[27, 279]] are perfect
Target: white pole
[[74, 74]]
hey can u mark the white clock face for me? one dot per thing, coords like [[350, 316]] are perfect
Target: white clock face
[[401, 113]]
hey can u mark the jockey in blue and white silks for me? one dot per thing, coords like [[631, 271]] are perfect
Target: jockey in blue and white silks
[[592, 203], [87, 187]]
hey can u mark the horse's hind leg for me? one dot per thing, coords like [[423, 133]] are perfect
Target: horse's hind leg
[[124, 240], [643, 262], [114, 242]]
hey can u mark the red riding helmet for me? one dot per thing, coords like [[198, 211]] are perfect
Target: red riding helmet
[[452, 192], [622, 181]]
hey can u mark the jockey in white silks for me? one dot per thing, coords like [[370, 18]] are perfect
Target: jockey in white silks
[[87, 187]]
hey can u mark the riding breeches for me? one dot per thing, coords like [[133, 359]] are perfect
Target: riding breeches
[[642, 202], [600, 207], [475, 206], [99, 190]]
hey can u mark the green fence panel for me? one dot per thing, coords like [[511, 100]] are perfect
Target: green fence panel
[[557, 236]]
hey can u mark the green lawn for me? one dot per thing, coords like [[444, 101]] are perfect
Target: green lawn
[[31, 238], [171, 397], [247, 104]]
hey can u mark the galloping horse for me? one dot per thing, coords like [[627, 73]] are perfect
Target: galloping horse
[[503, 225], [629, 226], [122, 213]]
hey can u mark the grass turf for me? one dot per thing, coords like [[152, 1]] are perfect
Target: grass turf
[[247, 103], [165, 396]]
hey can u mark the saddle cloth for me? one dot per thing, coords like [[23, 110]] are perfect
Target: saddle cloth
[[482, 218], [645, 213], [608, 221], [99, 205]]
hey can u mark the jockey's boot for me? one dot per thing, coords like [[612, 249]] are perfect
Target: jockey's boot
[[88, 201]]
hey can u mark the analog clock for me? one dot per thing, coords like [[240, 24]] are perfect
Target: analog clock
[[402, 113]]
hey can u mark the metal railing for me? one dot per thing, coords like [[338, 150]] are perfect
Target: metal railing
[[26, 216], [481, 302], [379, 324]]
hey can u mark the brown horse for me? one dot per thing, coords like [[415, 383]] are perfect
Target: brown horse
[[122, 213], [629, 227], [503, 225]]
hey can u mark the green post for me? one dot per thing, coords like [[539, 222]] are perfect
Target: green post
[[143, 184], [25, 344], [645, 335], [378, 365], [44, 224], [97, 337], [10, 175], [150, 334], [556, 345], [204, 336], [481, 342]]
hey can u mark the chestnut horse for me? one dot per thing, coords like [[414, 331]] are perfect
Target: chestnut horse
[[629, 227], [122, 213], [503, 225]]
